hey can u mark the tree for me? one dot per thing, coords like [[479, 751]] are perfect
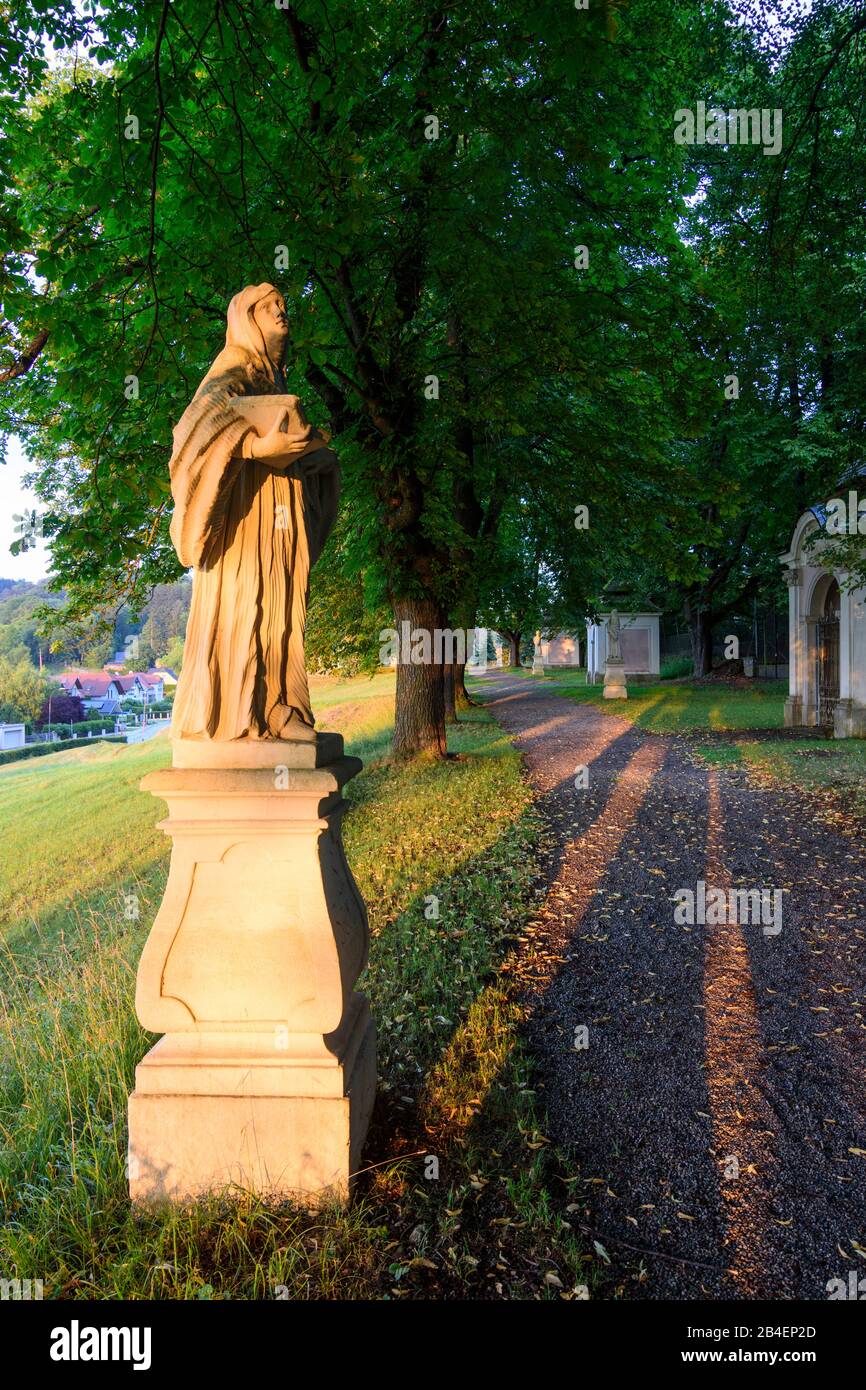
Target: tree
[[779, 249], [344, 619], [423, 182], [22, 692], [60, 708], [173, 656]]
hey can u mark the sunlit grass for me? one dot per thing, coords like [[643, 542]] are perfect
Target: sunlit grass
[[72, 820], [69, 823], [681, 707], [838, 762]]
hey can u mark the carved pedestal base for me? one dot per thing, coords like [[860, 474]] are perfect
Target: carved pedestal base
[[614, 681], [849, 720], [266, 1075], [793, 712]]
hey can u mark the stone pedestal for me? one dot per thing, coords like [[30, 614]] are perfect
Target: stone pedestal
[[793, 712], [265, 1078], [614, 681], [537, 665], [849, 720]]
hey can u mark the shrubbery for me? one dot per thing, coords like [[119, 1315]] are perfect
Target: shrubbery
[[38, 750], [676, 668]]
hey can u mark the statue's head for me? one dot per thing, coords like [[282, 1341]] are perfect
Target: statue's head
[[258, 322]]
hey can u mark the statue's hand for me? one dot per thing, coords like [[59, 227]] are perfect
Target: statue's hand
[[275, 442]]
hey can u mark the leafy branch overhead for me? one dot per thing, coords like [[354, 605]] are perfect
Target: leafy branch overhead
[[511, 291]]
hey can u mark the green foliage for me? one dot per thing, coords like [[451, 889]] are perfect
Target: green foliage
[[779, 247], [172, 656], [22, 691], [408, 258], [343, 618], [290, 145], [674, 669], [41, 750], [20, 630]]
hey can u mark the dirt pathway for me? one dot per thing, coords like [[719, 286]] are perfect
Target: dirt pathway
[[706, 1080]]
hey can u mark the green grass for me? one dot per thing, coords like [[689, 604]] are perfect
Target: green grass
[[362, 709], [670, 709], [824, 765], [70, 824], [75, 820], [454, 1080]]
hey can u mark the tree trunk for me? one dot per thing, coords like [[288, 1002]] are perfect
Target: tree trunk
[[449, 693], [462, 698], [701, 633], [513, 647], [419, 716]]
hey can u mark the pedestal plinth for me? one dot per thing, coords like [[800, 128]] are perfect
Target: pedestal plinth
[[265, 1078], [614, 681], [793, 712]]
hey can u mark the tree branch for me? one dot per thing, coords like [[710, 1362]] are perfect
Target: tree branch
[[25, 360]]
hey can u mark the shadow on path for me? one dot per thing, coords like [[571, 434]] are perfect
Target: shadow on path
[[714, 1115]]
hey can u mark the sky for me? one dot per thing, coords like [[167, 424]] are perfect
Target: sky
[[14, 498]]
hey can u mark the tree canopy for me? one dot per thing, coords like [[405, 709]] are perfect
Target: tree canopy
[[512, 293]]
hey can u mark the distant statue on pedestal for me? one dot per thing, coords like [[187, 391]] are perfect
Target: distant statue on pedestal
[[614, 649], [614, 669]]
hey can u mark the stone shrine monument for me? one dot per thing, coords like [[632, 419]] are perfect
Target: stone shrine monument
[[639, 635], [537, 661], [827, 629], [614, 666], [265, 1077]]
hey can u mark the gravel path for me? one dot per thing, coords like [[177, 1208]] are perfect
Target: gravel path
[[714, 1120]]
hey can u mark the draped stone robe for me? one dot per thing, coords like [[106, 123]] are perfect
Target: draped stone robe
[[252, 533]]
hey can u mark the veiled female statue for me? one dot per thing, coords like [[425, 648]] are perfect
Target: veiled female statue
[[255, 491], [614, 647]]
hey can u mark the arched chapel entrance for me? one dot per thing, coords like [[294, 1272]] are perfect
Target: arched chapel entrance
[[827, 656], [827, 637]]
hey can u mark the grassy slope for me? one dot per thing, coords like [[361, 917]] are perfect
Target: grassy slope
[[454, 1082], [71, 824]]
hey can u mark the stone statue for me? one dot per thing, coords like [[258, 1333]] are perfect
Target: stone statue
[[614, 650], [265, 1076], [255, 492]]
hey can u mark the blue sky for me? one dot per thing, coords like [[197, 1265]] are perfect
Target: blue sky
[[14, 497]]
